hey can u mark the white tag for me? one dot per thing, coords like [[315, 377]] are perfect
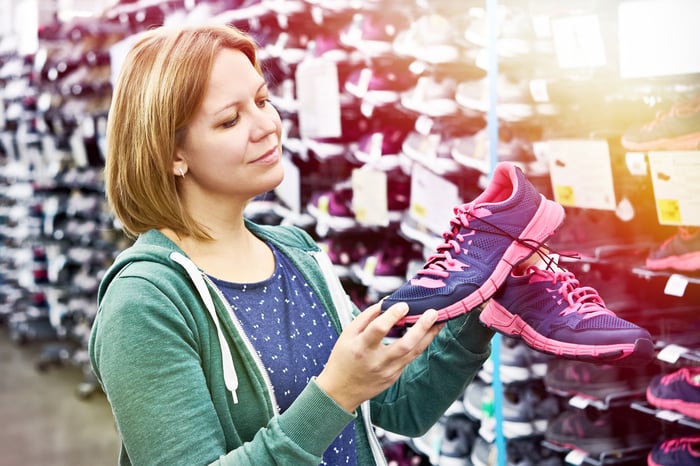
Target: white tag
[[433, 199], [538, 90], [575, 457], [636, 163], [319, 99], [675, 177], [540, 24], [666, 52], [289, 190], [363, 82], [370, 196], [367, 109], [675, 285], [578, 41], [667, 415], [578, 401], [671, 353], [581, 173], [77, 147], [423, 125], [376, 142]]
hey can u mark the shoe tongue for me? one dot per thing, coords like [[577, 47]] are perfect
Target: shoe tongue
[[549, 262], [544, 268]]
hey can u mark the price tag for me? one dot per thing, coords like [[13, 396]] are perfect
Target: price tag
[[433, 199], [575, 457], [578, 42], [78, 151], [671, 353], [676, 285], [538, 90], [370, 196], [319, 99], [581, 173], [289, 190], [666, 53], [667, 415], [578, 401], [423, 125], [675, 178], [636, 163]]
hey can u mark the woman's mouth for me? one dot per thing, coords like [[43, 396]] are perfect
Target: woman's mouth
[[269, 157]]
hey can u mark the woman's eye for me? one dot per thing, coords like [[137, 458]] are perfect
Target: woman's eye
[[263, 102], [231, 122]]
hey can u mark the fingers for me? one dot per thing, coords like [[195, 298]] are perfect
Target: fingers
[[418, 337], [373, 326], [378, 328]]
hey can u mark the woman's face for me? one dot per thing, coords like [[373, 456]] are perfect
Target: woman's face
[[232, 146]]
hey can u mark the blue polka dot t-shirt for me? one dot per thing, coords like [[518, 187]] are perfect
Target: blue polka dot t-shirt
[[291, 334]]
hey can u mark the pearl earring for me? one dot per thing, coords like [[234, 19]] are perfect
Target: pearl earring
[[182, 173]]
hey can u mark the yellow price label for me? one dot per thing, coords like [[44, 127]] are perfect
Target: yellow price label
[[669, 211], [419, 210], [564, 195]]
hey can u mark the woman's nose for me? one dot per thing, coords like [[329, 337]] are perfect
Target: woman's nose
[[267, 121]]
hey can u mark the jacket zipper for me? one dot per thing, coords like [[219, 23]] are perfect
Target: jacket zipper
[[344, 311], [249, 346]]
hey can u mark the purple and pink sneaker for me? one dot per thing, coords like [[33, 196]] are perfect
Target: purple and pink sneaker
[[554, 314], [504, 225], [678, 391]]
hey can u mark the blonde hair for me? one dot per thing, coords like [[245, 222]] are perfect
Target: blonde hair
[[160, 87]]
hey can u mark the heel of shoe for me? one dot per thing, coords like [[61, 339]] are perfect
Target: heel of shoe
[[549, 216], [496, 317]]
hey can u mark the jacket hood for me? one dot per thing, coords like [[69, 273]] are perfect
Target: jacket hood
[[153, 246]]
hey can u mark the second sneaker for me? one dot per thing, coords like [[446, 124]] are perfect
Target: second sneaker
[[553, 313]]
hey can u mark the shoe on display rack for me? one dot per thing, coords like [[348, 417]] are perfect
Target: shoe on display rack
[[678, 391], [502, 226], [599, 381], [683, 451], [550, 310], [518, 362], [679, 252], [676, 129], [602, 433]]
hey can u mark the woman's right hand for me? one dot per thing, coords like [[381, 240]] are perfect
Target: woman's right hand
[[362, 365]]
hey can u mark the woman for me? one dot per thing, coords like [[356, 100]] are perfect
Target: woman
[[219, 341]]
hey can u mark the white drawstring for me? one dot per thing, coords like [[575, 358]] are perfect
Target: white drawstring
[[230, 377]]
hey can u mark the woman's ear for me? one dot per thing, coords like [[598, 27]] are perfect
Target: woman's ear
[[179, 165]]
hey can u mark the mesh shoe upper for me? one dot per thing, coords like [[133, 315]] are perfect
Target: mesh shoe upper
[[684, 451], [486, 238], [553, 313]]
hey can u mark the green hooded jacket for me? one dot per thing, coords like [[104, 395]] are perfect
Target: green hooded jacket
[[187, 388]]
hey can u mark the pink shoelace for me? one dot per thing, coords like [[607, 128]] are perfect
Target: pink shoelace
[[685, 373], [581, 299], [683, 109], [440, 263], [692, 444]]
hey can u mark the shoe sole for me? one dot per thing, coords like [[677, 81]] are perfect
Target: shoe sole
[[548, 217], [685, 263], [498, 318]]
